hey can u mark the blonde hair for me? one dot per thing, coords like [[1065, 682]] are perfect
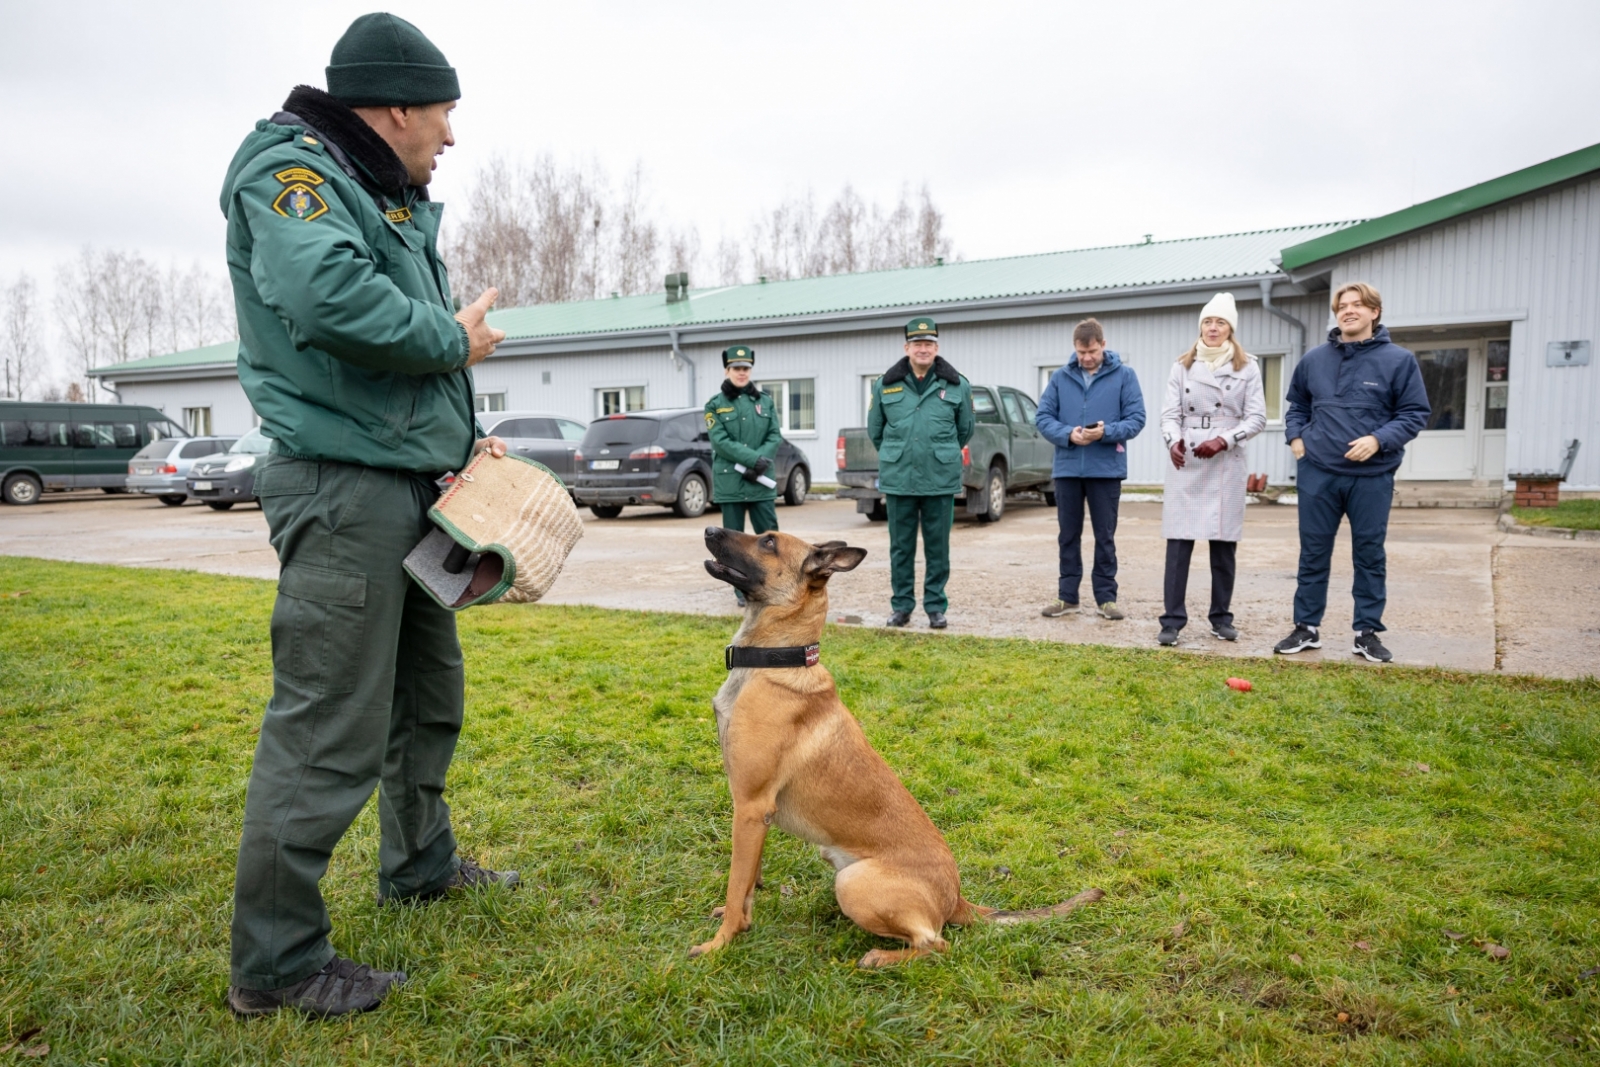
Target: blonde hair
[[1369, 296], [1240, 356]]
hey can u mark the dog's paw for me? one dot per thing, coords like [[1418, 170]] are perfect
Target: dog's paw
[[879, 958], [716, 912], [704, 948]]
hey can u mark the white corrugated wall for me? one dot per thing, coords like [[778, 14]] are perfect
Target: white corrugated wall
[[1537, 261]]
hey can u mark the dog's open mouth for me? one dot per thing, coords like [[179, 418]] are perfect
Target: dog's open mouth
[[724, 573]]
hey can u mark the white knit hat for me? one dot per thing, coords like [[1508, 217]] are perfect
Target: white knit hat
[[1222, 307]]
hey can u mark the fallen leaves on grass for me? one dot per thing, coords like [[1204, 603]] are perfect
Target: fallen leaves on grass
[[19, 592], [1364, 946], [1455, 936], [1495, 951], [20, 1039], [1294, 958], [1424, 768], [1590, 973], [786, 890]]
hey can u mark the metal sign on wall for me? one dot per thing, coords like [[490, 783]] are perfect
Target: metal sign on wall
[[1566, 354]]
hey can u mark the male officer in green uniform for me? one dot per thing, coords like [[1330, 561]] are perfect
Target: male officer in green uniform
[[745, 434], [354, 360], [920, 418]]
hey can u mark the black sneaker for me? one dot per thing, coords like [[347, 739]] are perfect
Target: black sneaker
[[1304, 637], [468, 876], [341, 988], [898, 618], [1368, 645], [1167, 637], [1223, 632]]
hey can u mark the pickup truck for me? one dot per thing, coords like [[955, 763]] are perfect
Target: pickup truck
[[1007, 453]]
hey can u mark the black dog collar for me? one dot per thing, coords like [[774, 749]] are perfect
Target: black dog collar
[[790, 656]]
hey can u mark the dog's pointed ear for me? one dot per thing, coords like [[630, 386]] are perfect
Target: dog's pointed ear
[[831, 557]]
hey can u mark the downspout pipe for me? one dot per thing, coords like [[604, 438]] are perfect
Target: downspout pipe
[[1277, 312], [679, 358]]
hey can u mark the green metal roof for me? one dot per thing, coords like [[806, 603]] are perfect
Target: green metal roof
[[1083, 270], [1476, 198], [935, 289]]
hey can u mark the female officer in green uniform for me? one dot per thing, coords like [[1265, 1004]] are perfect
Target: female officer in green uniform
[[745, 435]]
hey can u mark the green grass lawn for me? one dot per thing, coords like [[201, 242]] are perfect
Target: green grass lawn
[[1573, 514], [1307, 873]]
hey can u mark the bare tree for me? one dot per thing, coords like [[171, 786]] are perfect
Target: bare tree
[[21, 336]]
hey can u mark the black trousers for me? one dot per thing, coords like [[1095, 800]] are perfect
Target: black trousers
[[1102, 496], [1223, 569]]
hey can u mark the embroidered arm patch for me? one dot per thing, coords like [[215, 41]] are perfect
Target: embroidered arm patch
[[300, 201], [298, 174]]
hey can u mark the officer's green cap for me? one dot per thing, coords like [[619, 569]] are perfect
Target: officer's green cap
[[922, 329], [738, 356], [384, 61]]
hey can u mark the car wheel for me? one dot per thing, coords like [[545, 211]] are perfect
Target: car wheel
[[219, 505], [692, 498], [21, 489], [173, 500], [997, 495], [879, 512], [606, 511], [795, 493]]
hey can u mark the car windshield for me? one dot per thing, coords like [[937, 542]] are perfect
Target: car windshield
[[612, 432], [157, 449], [254, 443]]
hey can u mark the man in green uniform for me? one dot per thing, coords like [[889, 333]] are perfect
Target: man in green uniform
[[745, 434], [920, 418], [354, 360]]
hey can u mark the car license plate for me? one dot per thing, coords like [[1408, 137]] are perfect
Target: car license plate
[[200, 486], [144, 470], [604, 464]]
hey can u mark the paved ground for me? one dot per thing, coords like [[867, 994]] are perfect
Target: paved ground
[[1462, 594]]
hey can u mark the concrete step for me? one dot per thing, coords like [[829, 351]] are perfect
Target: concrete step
[[1447, 495]]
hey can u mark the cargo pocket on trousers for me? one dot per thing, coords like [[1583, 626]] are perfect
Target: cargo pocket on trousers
[[317, 626]]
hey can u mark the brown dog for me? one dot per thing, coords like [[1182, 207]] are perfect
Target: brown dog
[[795, 755]]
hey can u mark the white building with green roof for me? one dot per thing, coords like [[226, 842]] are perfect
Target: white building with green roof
[[1496, 287]]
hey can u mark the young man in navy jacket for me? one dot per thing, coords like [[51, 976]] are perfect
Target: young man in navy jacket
[[1090, 408], [1354, 404]]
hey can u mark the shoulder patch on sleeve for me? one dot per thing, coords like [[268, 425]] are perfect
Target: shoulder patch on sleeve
[[724, 411], [894, 389], [711, 420], [299, 174], [300, 201]]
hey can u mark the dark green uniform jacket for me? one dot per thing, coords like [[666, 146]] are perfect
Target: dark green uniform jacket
[[743, 429], [919, 428], [349, 349]]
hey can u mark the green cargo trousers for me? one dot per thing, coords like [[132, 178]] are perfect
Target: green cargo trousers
[[935, 515], [763, 516], [366, 691]]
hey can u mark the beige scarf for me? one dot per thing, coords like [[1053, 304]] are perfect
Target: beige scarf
[[1213, 357]]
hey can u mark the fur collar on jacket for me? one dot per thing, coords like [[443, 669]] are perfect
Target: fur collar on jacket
[[902, 369], [732, 391], [343, 127]]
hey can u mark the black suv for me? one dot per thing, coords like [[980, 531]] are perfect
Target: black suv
[[663, 458]]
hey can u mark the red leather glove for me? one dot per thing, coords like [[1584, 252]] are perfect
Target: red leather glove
[[1176, 452], [1207, 449]]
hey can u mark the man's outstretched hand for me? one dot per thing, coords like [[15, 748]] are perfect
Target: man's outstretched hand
[[481, 337]]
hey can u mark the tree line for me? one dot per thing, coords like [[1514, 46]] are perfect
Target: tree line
[[540, 231]]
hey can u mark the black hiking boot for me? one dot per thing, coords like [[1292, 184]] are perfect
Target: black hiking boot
[[468, 876], [341, 988]]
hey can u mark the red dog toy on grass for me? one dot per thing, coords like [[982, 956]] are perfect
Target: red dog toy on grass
[[1240, 684]]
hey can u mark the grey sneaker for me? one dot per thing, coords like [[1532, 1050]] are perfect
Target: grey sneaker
[[1167, 637], [1059, 608], [1304, 637], [468, 876], [1110, 610], [342, 987], [1368, 645], [1223, 632]]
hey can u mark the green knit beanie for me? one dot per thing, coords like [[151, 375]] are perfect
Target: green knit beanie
[[384, 61]]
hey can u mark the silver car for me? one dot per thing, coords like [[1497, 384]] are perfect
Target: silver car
[[159, 468]]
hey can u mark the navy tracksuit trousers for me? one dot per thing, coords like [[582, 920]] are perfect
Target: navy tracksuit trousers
[[1102, 495], [1325, 498]]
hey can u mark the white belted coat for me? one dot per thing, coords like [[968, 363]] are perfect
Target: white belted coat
[[1205, 500]]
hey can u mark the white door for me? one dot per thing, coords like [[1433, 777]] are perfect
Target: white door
[[1448, 447]]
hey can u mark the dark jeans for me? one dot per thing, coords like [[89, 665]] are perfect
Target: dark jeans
[[934, 515], [763, 516], [1102, 495], [366, 694], [1325, 498], [1223, 568]]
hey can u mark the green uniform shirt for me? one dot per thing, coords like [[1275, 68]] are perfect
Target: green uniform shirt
[[348, 345], [918, 429], [742, 430]]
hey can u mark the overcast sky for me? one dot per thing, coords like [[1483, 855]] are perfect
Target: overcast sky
[[1038, 126]]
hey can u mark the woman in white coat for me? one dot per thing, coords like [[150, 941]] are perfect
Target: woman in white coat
[[1215, 403]]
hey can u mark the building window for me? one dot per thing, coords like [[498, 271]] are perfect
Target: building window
[[197, 421], [489, 402], [796, 401], [619, 401], [1044, 377], [1272, 385], [1497, 391], [544, 378]]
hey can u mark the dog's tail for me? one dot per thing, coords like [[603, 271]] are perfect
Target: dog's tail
[[979, 913]]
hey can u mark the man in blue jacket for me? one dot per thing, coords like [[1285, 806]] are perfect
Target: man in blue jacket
[[1354, 404], [1090, 409]]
